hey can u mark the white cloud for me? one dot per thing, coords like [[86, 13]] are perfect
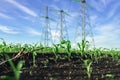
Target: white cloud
[[93, 17], [98, 5], [5, 16], [33, 32], [75, 14], [113, 10], [54, 7], [108, 36], [5, 29], [21, 7], [55, 35], [102, 6], [106, 2]]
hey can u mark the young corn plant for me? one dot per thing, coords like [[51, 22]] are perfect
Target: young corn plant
[[67, 45], [87, 64], [45, 62], [3, 46], [82, 47], [16, 70], [34, 59], [110, 76], [97, 54], [114, 54], [55, 51]]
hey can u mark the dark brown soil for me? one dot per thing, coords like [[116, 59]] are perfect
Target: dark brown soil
[[47, 68]]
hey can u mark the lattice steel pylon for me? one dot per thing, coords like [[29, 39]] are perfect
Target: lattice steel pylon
[[47, 37], [61, 26], [84, 28]]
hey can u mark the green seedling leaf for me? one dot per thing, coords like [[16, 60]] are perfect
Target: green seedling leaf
[[87, 64], [79, 45], [10, 62], [109, 75], [63, 41], [56, 48], [34, 54], [68, 44], [7, 78], [34, 58], [16, 70], [4, 43], [19, 65]]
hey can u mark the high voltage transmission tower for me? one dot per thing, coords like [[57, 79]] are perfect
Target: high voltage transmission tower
[[47, 37], [84, 27], [61, 26]]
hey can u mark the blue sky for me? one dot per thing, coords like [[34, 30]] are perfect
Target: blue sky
[[20, 22]]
